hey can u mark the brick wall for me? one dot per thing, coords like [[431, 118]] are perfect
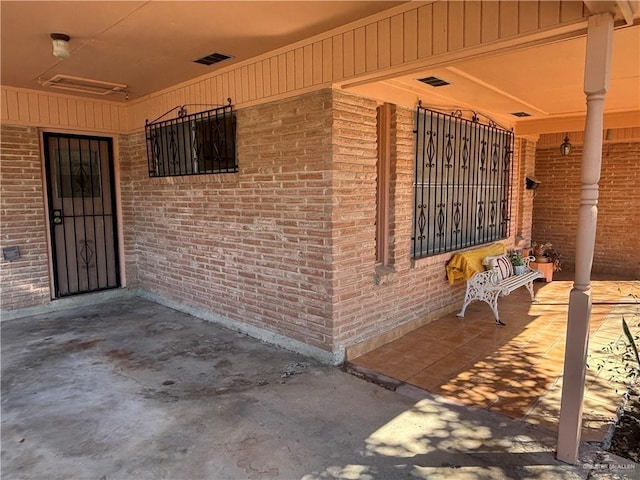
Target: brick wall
[[522, 212], [24, 282], [558, 197], [254, 246], [287, 244], [354, 137], [131, 158], [369, 307]]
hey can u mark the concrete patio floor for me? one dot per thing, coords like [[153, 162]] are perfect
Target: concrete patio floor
[[129, 389]]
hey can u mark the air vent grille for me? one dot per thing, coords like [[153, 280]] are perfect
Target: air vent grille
[[434, 81], [521, 114], [212, 58]]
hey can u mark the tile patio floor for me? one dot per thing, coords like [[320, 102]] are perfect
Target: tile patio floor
[[516, 370]]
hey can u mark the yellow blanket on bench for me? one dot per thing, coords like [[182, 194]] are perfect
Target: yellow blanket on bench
[[463, 266]]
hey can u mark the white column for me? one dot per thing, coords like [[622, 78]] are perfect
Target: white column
[[596, 82]]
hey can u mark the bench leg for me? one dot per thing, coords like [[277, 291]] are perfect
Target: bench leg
[[467, 300], [492, 301], [464, 307], [530, 288], [490, 298]]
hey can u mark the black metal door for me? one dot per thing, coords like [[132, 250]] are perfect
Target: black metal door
[[82, 213]]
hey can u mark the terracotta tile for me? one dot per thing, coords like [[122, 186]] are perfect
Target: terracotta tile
[[401, 371], [471, 395], [514, 407], [427, 380], [557, 352], [516, 369], [445, 368]]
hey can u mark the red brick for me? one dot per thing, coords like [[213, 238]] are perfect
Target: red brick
[[557, 201], [24, 282]]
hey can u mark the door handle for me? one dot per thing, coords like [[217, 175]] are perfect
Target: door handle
[[57, 217]]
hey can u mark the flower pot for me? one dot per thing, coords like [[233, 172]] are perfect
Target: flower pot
[[542, 259], [519, 269]]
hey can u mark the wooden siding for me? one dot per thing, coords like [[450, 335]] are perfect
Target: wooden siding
[[408, 35], [43, 109]]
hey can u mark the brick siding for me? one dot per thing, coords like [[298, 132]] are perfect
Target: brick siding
[[254, 246], [557, 199], [287, 244], [131, 152], [24, 282], [366, 305], [525, 157]]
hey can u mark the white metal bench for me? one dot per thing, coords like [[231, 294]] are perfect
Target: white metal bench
[[487, 287]]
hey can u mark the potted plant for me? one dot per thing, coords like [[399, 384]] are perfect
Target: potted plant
[[545, 253], [538, 250], [517, 261]]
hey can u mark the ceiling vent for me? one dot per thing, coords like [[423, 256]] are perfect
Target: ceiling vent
[[212, 58], [521, 114], [434, 81], [83, 85]]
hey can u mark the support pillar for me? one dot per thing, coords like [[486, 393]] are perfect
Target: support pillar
[[596, 82]]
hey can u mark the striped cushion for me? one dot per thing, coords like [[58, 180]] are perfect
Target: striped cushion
[[501, 263]]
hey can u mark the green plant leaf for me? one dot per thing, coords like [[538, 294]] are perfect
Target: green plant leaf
[[632, 342]]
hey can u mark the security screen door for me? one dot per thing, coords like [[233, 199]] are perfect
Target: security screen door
[[82, 213]]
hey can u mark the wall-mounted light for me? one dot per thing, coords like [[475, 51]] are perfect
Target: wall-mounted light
[[60, 45], [565, 147], [532, 183]]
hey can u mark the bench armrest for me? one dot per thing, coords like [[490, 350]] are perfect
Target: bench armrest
[[527, 260]]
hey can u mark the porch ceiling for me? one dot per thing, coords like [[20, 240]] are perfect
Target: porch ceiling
[[150, 46], [545, 81]]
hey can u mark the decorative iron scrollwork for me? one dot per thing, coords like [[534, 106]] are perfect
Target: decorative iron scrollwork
[[462, 174], [193, 144]]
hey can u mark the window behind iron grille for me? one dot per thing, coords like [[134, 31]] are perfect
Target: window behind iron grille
[[462, 192], [194, 144]]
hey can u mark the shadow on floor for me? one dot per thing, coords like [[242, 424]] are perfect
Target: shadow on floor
[[516, 370], [128, 389]]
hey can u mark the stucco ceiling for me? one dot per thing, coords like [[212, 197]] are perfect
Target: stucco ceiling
[[151, 45]]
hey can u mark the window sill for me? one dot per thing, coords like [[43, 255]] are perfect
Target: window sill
[[384, 274], [194, 179], [429, 261]]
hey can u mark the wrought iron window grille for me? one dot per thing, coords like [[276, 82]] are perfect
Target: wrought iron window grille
[[192, 144], [462, 182]]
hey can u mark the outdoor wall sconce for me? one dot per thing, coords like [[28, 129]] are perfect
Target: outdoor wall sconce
[[60, 45], [532, 183], [565, 147]]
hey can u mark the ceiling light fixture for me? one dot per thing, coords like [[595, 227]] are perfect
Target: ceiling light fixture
[[565, 147], [60, 45]]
